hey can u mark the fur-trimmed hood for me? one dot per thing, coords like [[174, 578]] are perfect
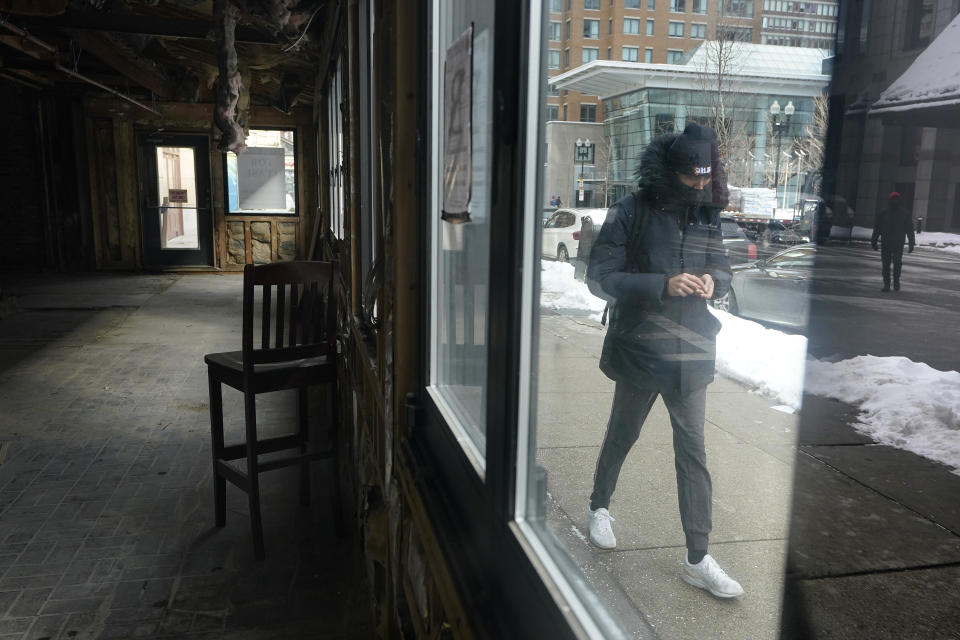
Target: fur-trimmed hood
[[659, 183]]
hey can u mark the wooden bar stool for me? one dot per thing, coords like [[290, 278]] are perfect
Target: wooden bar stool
[[296, 349]]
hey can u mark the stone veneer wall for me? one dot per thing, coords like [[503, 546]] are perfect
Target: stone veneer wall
[[269, 241]]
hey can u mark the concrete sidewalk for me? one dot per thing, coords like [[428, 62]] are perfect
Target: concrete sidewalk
[[874, 529], [106, 505], [750, 451]]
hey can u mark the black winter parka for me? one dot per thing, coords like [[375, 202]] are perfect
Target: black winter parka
[[656, 341]]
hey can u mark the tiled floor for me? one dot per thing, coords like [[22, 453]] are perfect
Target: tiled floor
[[105, 500]]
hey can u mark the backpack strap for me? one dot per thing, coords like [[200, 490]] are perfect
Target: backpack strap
[[636, 258]]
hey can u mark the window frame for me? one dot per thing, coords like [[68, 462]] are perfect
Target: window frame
[[635, 21], [671, 28], [651, 27], [487, 545], [623, 53], [587, 105], [296, 181], [583, 53], [594, 35]]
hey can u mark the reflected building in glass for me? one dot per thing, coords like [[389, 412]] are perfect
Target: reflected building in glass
[[642, 101]]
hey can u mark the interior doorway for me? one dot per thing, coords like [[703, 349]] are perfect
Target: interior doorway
[[175, 213]]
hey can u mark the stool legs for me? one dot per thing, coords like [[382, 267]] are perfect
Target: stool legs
[[253, 474], [216, 434]]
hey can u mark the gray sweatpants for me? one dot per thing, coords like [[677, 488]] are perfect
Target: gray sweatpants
[[630, 408]]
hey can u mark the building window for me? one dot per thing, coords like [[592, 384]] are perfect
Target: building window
[[630, 54], [556, 6], [651, 5], [609, 53], [631, 4], [631, 26], [698, 31], [678, 6], [675, 30], [919, 23], [648, 55], [649, 27], [553, 90], [553, 112], [564, 113], [553, 59], [263, 179], [591, 4], [674, 56], [736, 8], [588, 113], [591, 29], [589, 54], [566, 35], [736, 34], [699, 7], [555, 31], [610, 26], [566, 58]]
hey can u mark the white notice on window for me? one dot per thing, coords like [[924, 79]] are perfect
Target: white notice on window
[[457, 135], [260, 178]]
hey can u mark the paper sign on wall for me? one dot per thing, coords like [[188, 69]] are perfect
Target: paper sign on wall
[[260, 178], [458, 125], [177, 195]]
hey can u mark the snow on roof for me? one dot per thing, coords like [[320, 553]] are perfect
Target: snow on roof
[[755, 67], [766, 60], [933, 80]]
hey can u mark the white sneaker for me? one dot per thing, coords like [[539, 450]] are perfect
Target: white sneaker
[[601, 532], [708, 575]]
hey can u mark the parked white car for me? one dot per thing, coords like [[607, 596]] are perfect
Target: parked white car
[[561, 232]]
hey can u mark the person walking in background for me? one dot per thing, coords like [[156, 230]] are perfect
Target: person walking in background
[[657, 259], [892, 227]]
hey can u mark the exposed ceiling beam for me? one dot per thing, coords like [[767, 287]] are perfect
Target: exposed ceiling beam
[[140, 24], [121, 60]]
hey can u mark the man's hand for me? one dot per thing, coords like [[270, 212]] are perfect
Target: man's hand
[[685, 284], [707, 281]]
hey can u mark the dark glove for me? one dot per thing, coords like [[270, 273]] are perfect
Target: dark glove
[[874, 245]]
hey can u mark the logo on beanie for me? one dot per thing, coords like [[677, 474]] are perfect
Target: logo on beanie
[[702, 171]]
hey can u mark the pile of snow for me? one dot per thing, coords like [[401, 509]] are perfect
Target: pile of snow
[[770, 361], [939, 240], [904, 404], [560, 291]]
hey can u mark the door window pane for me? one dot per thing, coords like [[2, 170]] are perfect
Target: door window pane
[[177, 188], [263, 179], [460, 219]]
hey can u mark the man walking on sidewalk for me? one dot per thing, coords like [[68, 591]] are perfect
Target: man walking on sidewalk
[[657, 259], [892, 226]]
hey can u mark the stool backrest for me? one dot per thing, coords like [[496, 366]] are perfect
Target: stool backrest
[[289, 311]]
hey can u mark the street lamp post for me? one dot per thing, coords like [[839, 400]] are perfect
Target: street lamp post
[[582, 153], [779, 124]]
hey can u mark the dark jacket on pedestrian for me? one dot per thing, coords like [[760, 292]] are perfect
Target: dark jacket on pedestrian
[[892, 226], [657, 341]]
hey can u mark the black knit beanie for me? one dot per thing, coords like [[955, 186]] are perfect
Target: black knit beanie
[[690, 152]]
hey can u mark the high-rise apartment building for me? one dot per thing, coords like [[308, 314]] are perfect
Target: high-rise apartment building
[[799, 24], [663, 31], [659, 31]]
